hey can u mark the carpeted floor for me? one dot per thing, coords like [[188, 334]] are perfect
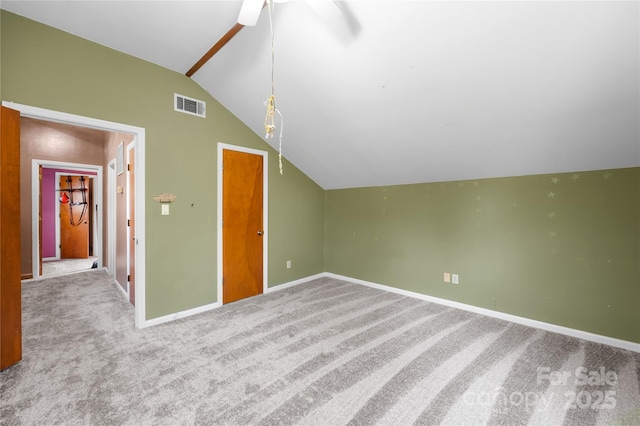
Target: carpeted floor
[[326, 352], [52, 268]]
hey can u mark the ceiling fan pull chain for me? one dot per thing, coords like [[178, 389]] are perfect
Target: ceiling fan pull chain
[[280, 140], [269, 123]]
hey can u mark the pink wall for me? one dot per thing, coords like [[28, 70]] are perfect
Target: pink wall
[[49, 199], [48, 213]]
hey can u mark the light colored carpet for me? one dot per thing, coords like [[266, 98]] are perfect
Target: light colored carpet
[[326, 352], [52, 268]]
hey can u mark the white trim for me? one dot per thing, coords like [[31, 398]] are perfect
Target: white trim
[[139, 138], [121, 290], [580, 334], [296, 282], [47, 259], [182, 314], [211, 306], [35, 208], [111, 217], [139, 212], [129, 147], [265, 213]]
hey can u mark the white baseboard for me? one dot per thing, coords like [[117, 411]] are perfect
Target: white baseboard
[[580, 334], [296, 282], [47, 259], [181, 314], [597, 338], [205, 308], [122, 290]]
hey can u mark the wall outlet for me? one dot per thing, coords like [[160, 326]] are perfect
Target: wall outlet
[[288, 264], [165, 209], [454, 278], [447, 277]]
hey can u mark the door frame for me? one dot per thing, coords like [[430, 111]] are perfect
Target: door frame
[[139, 208], [265, 213], [35, 207], [96, 187], [129, 215], [111, 217]]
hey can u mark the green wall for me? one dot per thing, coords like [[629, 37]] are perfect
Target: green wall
[[561, 248], [51, 69]]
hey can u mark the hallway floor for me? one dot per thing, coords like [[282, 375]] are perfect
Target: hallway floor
[[52, 268]]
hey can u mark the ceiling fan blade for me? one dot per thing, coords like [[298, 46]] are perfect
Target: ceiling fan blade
[[327, 9], [249, 12]]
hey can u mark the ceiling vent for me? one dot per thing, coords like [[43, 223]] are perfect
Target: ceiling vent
[[189, 105]]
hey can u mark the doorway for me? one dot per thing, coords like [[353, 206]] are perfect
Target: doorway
[[52, 239], [242, 222], [69, 234], [74, 221], [138, 135]]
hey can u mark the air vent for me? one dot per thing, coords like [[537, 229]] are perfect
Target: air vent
[[189, 105]]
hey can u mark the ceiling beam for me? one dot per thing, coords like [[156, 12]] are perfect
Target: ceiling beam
[[216, 47]]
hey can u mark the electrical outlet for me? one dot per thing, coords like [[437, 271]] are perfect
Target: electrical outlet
[[288, 264], [454, 278], [447, 277]]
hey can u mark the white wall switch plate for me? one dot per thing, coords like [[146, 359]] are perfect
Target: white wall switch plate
[[454, 278], [165, 209]]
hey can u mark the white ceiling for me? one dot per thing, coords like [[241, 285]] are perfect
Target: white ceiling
[[403, 91]]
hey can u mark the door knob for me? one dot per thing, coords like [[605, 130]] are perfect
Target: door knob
[[260, 232]]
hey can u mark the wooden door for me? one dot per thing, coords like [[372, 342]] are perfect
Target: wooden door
[[242, 225], [10, 292], [132, 227], [74, 217]]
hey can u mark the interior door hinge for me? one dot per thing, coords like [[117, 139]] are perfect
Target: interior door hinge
[[128, 224], [128, 167], [128, 277]]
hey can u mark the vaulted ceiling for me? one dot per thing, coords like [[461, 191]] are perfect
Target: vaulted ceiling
[[396, 92]]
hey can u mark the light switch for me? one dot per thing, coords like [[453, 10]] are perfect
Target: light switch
[[165, 209]]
